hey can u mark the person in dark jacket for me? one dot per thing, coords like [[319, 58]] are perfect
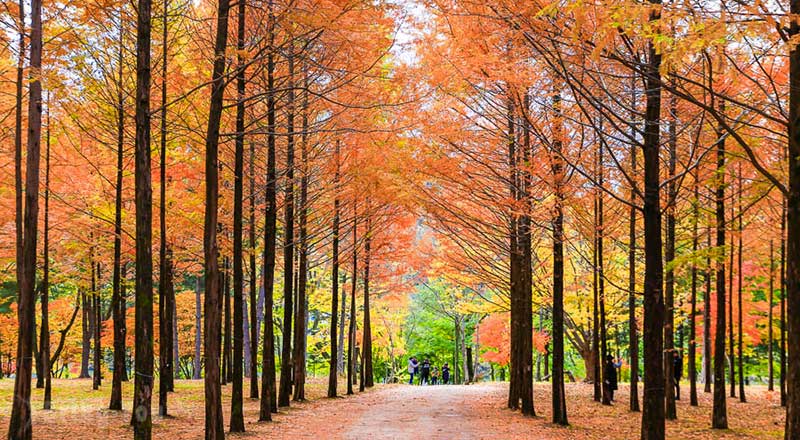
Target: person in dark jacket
[[445, 374], [425, 373], [610, 377], [677, 369]]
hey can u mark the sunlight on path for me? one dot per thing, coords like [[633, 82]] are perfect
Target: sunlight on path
[[429, 412]]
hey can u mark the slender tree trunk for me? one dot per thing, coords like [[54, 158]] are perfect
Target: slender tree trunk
[[333, 370], [671, 412], [720, 417], [227, 354], [792, 430], [269, 403], [653, 336], [783, 290], [693, 298], [515, 263], [143, 384], [742, 397], [20, 425], [301, 316], [255, 310], [707, 319], [86, 336], [558, 392], [117, 301], [98, 321], [165, 366], [285, 389], [770, 336], [214, 429], [44, 345], [731, 343], [352, 329], [366, 344], [237, 393], [600, 272], [633, 336], [198, 333]]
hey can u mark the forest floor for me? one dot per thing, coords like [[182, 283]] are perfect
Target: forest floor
[[394, 412]]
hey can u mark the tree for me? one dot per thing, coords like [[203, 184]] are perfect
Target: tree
[[20, 424], [214, 429]]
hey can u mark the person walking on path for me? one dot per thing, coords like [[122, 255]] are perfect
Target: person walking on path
[[445, 374], [412, 369], [435, 376]]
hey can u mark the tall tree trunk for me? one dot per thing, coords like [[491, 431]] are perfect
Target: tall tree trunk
[[117, 301], [366, 345], [301, 315], [770, 335], [333, 370], [707, 318], [214, 429], [352, 328], [269, 403], [165, 367], [693, 298], [600, 272], [198, 333], [98, 323], [227, 353], [285, 389], [720, 417], [793, 238], [86, 335], [783, 290], [515, 264], [143, 384], [255, 309], [558, 392], [742, 397], [669, 256], [731, 343], [20, 425], [237, 393], [653, 336], [44, 345], [633, 336]]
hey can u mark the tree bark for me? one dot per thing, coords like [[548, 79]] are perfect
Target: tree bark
[[693, 298], [44, 345], [633, 337], [366, 344], [669, 256], [117, 301], [792, 430], [558, 393], [333, 370], [198, 333], [740, 355], [143, 383], [269, 403], [237, 392], [285, 388], [653, 402], [719, 418], [214, 429], [352, 328], [301, 315]]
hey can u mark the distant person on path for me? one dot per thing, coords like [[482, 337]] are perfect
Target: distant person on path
[[435, 376], [445, 374], [610, 376], [677, 369], [413, 365], [425, 374]]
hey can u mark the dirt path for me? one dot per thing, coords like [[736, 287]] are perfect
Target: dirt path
[[429, 412]]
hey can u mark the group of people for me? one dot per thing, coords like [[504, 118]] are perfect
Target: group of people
[[426, 373]]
